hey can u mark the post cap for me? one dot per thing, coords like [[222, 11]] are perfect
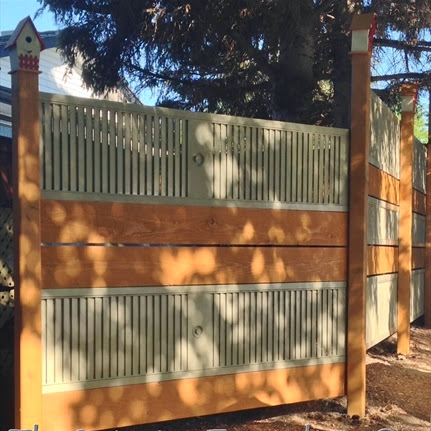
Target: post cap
[[409, 89], [25, 45], [363, 28], [409, 96], [363, 21]]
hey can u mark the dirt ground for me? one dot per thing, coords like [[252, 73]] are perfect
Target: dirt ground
[[398, 397]]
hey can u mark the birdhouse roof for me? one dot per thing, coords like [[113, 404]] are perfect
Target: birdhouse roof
[[19, 28]]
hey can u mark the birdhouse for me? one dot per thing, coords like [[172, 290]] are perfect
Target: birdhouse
[[25, 45]]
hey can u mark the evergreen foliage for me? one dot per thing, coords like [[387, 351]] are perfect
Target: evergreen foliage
[[256, 58]]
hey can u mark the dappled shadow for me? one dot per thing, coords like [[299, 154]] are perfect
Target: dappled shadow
[[177, 308], [218, 310], [209, 309], [381, 308], [26, 246], [383, 219], [193, 397], [382, 299], [385, 137]]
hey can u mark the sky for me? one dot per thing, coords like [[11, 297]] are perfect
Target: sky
[[13, 11]]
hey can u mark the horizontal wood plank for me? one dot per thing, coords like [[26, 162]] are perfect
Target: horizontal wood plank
[[382, 260], [383, 186], [101, 222], [107, 408], [419, 202], [418, 257], [98, 266]]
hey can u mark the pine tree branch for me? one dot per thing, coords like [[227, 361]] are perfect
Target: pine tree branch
[[418, 76], [421, 45], [216, 84], [323, 5]]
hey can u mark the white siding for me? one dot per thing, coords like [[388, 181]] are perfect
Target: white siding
[[55, 77]]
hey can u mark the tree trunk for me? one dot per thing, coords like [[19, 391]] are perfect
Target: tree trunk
[[293, 78], [340, 56], [342, 81]]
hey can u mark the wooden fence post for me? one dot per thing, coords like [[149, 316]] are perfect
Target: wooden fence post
[[25, 45], [408, 96], [427, 293], [362, 32]]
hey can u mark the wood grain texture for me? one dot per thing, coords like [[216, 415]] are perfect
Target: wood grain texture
[[418, 257], [121, 406], [97, 266], [405, 255], [99, 222], [427, 289], [26, 244], [419, 202], [360, 132], [383, 186], [382, 260]]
